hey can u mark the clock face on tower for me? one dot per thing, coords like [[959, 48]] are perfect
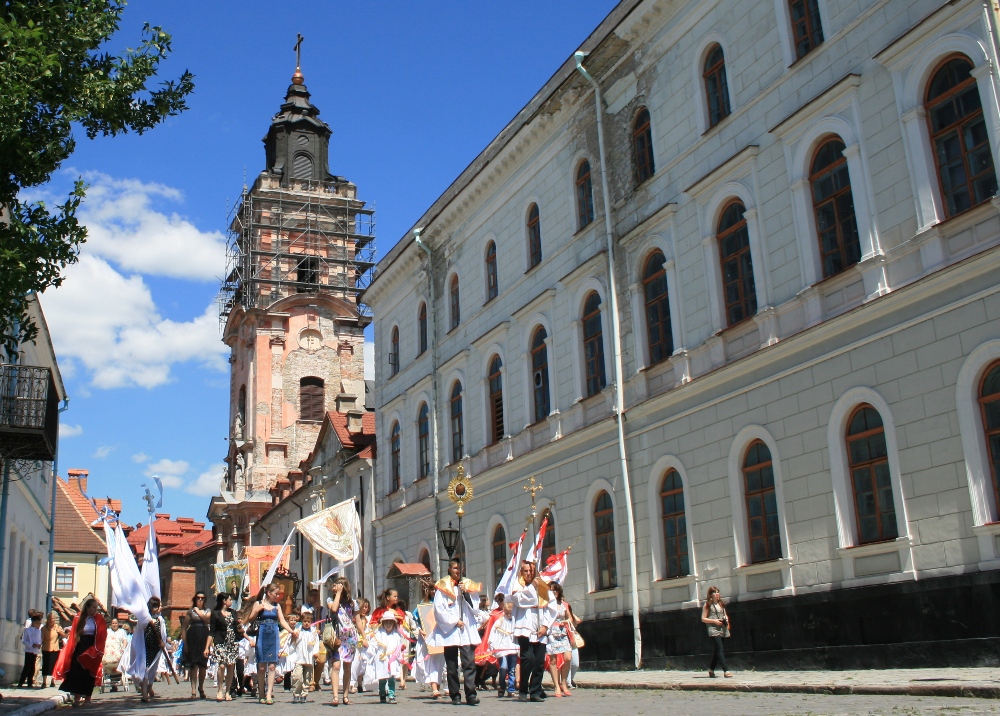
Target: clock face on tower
[[310, 339]]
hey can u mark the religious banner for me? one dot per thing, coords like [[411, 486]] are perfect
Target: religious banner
[[335, 531], [428, 621], [259, 561], [229, 577]]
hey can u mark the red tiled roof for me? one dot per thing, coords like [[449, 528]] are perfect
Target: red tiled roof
[[169, 533], [353, 441], [74, 515]]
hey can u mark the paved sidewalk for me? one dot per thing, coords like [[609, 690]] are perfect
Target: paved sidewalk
[[28, 702], [973, 682]]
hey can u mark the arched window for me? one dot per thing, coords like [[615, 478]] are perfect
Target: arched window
[[311, 401], [394, 352], [654, 286], [496, 400], [762, 504], [604, 530], [422, 328], [989, 399], [961, 145], [716, 88], [457, 437], [302, 167], [492, 287], [833, 207], [584, 195], [394, 471], [807, 30], [549, 543], [534, 237], [499, 554], [425, 559], [642, 147], [423, 441], [675, 541], [456, 311], [540, 373], [737, 265], [868, 459], [593, 344]]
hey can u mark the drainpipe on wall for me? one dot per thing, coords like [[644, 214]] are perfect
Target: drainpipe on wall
[[52, 522], [617, 362], [436, 559]]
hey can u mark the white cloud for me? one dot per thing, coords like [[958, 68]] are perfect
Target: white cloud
[[110, 323], [125, 227], [69, 431], [103, 451], [207, 483], [169, 471], [140, 457], [369, 353]]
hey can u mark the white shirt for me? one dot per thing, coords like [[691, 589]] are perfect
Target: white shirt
[[449, 609], [502, 637], [31, 637], [305, 649], [90, 626], [528, 616], [386, 649]]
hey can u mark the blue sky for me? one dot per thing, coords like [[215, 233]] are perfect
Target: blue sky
[[412, 91]]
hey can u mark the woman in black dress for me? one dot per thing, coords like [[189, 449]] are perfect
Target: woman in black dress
[[79, 664], [224, 643], [196, 644]]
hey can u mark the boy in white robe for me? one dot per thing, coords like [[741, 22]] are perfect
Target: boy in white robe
[[387, 649], [505, 649]]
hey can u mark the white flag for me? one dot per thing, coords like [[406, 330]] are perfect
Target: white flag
[[335, 531], [151, 563], [504, 587]]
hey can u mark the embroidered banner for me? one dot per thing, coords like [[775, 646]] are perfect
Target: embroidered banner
[[259, 560], [229, 577], [335, 531]]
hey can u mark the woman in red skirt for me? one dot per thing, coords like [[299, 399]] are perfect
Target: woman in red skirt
[[79, 665]]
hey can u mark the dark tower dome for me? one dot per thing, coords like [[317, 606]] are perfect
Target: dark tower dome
[[297, 144]]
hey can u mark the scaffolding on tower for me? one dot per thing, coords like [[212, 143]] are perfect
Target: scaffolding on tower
[[307, 237]]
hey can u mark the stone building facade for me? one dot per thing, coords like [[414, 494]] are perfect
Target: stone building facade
[[802, 303], [300, 247]]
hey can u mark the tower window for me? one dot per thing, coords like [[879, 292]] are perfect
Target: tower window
[[302, 167], [307, 274], [311, 399]]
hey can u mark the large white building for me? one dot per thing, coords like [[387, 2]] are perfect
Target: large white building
[[806, 253]]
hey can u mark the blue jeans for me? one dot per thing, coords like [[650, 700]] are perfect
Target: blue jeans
[[508, 672]]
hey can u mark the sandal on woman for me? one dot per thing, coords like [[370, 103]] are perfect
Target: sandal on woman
[[262, 701], [728, 675], [201, 694], [228, 697], [347, 701], [711, 674]]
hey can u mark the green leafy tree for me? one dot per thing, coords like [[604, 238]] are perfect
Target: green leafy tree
[[54, 77]]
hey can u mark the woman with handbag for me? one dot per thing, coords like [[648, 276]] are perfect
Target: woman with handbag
[[80, 662], [715, 618], [342, 609], [559, 647], [578, 643]]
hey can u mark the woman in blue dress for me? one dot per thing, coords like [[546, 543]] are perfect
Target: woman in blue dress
[[267, 611]]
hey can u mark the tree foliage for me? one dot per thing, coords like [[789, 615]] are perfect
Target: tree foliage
[[54, 76]]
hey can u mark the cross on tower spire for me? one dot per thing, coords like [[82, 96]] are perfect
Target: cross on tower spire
[[297, 78]]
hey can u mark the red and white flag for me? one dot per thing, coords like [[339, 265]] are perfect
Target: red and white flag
[[557, 568], [504, 586]]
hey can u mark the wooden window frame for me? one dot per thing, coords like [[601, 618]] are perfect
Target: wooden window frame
[[422, 328], [642, 147], [456, 306], [994, 460], [679, 518], [534, 228], [609, 551], [662, 303], [746, 304], [394, 351], [492, 283], [870, 464], [316, 414], [72, 579], [594, 371], [584, 196], [847, 258], [495, 385], [395, 476], [762, 493], [812, 33], [423, 441], [498, 554], [716, 72], [929, 105], [542, 399], [457, 430]]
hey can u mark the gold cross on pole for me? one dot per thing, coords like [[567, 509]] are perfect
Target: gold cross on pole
[[298, 51], [533, 488]]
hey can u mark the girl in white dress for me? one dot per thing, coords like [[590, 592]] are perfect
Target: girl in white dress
[[387, 649]]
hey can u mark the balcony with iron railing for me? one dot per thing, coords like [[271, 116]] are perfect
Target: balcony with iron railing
[[29, 413]]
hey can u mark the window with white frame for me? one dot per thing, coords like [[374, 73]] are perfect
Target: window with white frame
[[394, 465], [675, 540], [456, 307], [534, 228], [989, 405], [763, 522], [422, 328], [394, 351], [498, 553], [64, 579], [604, 533], [423, 441], [642, 147], [716, 85], [807, 27]]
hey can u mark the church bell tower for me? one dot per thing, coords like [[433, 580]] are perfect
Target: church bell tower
[[300, 250]]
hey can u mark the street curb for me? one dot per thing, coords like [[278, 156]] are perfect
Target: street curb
[[946, 690], [40, 707]]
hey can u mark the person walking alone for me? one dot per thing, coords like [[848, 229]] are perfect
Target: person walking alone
[[715, 618], [455, 601]]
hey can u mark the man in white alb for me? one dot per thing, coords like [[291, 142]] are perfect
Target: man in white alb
[[454, 608], [533, 616]]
